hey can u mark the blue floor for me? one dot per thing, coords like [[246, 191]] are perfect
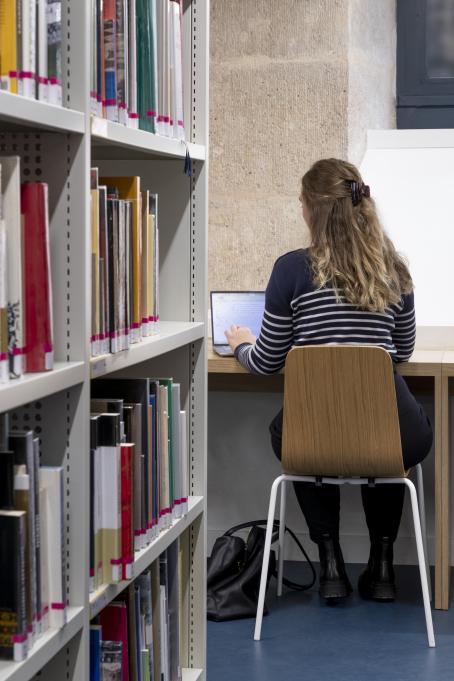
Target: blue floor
[[304, 639]]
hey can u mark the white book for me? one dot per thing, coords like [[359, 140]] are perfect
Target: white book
[[54, 52], [176, 452], [184, 461], [43, 94], [44, 554], [52, 481], [4, 364], [164, 627], [27, 76], [110, 512], [176, 49], [10, 169]]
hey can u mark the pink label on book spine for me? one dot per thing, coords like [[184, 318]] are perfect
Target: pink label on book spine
[[18, 638], [18, 351], [151, 114], [54, 81], [115, 561], [3, 356], [57, 606], [133, 114]]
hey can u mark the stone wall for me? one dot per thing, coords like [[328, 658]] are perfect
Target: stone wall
[[281, 97]]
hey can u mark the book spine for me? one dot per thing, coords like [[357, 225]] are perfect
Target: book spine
[[54, 52], [39, 607], [132, 63], [38, 293], [4, 360], [42, 76], [8, 46], [127, 549], [110, 56]]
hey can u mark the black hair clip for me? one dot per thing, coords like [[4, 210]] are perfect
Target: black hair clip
[[358, 190]]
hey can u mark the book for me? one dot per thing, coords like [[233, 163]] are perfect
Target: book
[[133, 433], [146, 614], [173, 604], [54, 52], [6, 479], [133, 115], [13, 609], [42, 69], [27, 72], [111, 660], [95, 268], [26, 489], [4, 362], [127, 486], [122, 37], [114, 624], [37, 278], [11, 190], [8, 45], [23, 501], [110, 493], [184, 462], [51, 480], [95, 652], [156, 619], [145, 67], [109, 19]]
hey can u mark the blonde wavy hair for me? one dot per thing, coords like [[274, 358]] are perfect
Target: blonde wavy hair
[[350, 250]]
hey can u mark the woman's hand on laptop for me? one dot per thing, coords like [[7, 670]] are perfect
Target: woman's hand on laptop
[[237, 335]]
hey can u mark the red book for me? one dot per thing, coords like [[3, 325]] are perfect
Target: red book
[[127, 530], [39, 349], [114, 624]]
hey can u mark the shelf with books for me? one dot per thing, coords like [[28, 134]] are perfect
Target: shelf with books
[[116, 141], [30, 114], [32, 387], [172, 335], [107, 592], [44, 649]]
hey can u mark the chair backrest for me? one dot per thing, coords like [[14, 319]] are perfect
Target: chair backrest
[[340, 413]]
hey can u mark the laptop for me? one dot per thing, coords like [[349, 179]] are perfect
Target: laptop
[[244, 308]]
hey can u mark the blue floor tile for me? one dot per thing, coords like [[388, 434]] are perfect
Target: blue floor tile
[[302, 638]]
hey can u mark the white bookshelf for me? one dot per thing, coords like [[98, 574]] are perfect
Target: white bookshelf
[[59, 146]]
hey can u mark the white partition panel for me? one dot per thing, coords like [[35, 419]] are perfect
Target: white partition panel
[[411, 177]]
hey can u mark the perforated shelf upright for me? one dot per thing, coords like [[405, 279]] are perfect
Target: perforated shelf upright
[[59, 146]]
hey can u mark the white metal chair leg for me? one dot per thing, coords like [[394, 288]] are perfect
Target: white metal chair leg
[[422, 515], [266, 557], [280, 568], [421, 561]]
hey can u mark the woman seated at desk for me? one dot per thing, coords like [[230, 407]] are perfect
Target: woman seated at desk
[[350, 286]]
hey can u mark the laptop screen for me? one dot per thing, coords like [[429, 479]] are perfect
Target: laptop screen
[[244, 308]]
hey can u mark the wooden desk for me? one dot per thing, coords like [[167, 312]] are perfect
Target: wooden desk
[[430, 368]]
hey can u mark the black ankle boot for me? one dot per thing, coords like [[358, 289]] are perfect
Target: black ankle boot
[[334, 582], [377, 581]]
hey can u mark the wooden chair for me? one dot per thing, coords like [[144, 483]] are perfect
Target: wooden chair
[[341, 425]]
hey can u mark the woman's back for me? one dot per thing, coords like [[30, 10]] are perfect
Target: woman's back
[[299, 312]]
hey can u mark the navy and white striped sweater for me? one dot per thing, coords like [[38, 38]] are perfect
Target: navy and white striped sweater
[[299, 313]]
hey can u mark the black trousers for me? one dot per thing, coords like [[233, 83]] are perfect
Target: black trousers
[[382, 504]]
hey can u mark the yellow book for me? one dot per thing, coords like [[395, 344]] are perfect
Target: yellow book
[[8, 46], [129, 189]]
